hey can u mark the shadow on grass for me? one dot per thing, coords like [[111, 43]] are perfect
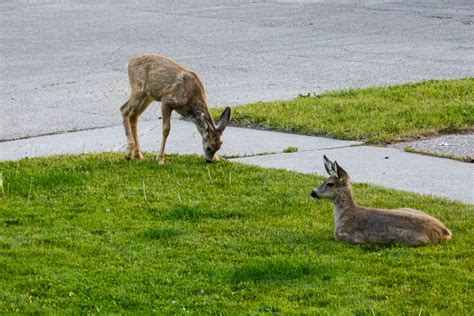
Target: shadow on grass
[[277, 269], [194, 213], [161, 233]]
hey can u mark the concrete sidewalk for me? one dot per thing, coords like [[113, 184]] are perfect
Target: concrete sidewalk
[[388, 167]]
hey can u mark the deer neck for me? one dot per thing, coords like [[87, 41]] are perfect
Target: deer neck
[[343, 203], [196, 118], [200, 125]]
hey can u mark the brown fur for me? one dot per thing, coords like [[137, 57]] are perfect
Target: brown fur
[[157, 78], [360, 225]]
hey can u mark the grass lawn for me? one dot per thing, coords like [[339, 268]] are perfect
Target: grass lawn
[[375, 115], [95, 233]]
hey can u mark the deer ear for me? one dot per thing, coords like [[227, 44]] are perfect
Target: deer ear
[[223, 120], [329, 166], [341, 173]]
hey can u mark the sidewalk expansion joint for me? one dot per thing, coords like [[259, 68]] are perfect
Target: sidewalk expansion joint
[[272, 153]]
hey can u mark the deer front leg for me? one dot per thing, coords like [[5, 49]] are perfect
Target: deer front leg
[[166, 118], [125, 109]]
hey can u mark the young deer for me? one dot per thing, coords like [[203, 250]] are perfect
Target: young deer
[[359, 225], [157, 78]]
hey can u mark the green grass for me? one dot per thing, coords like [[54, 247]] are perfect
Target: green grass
[[290, 150], [94, 233], [375, 115]]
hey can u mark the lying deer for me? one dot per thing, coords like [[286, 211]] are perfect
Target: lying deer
[[359, 225], [157, 78]]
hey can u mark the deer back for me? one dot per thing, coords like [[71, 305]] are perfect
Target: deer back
[[402, 226], [163, 79]]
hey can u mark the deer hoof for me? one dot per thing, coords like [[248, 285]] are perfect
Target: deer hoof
[[127, 157], [160, 160], [138, 155]]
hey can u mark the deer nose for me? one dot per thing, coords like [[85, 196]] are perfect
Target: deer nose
[[208, 160], [314, 195]]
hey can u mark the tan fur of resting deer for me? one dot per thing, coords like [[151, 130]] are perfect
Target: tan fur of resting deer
[[359, 225], [157, 78]]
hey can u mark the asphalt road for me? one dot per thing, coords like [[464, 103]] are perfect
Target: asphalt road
[[63, 62]]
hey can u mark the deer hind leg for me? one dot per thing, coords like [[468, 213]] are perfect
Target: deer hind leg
[[129, 117], [125, 110], [166, 119], [134, 115]]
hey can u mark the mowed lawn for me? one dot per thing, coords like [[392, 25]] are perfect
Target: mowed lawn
[[375, 115], [95, 233]]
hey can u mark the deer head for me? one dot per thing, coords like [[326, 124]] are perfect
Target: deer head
[[337, 182], [211, 133]]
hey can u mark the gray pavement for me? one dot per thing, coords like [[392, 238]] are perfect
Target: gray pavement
[[63, 62], [183, 139], [461, 146], [388, 167]]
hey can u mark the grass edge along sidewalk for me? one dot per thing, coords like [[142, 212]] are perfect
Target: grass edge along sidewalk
[[95, 233], [376, 115]]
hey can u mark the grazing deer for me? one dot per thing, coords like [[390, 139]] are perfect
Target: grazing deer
[[157, 78], [360, 225]]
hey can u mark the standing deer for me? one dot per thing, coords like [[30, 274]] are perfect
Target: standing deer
[[157, 78], [360, 225]]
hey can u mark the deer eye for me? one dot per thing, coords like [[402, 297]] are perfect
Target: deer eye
[[330, 184]]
